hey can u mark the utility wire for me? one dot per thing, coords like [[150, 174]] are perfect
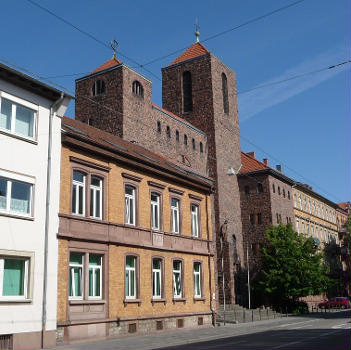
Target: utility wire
[[228, 30], [295, 77], [115, 111], [90, 36]]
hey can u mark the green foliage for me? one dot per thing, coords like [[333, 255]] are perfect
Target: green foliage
[[292, 266]]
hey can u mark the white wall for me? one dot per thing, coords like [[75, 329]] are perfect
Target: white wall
[[28, 235]]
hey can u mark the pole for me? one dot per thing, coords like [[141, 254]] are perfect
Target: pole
[[248, 273], [223, 291]]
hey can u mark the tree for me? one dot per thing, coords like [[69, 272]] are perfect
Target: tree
[[292, 266]]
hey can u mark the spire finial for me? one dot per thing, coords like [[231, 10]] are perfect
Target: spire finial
[[197, 33], [114, 45]]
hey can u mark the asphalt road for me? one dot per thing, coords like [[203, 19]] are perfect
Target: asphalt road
[[330, 331]]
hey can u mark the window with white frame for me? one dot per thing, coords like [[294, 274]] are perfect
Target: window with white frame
[[177, 279], [17, 119], [14, 278], [195, 220], [78, 193], [295, 200], [155, 211], [76, 275], [305, 204], [309, 206], [15, 196], [300, 201], [314, 208], [197, 280], [297, 226], [130, 277], [302, 227], [129, 205], [175, 215], [156, 278], [95, 197], [95, 276]]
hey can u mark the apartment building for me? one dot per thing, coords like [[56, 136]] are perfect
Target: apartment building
[[30, 122]]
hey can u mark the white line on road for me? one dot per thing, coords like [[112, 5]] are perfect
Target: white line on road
[[293, 324], [286, 344]]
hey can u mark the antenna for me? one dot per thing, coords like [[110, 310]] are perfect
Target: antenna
[[114, 46]]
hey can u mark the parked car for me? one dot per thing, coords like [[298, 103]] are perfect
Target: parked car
[[338, 302]]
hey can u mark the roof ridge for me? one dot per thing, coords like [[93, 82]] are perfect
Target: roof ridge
[[195, 50], [108, 64]]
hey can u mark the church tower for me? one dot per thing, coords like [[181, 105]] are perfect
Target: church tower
[[200, 88]]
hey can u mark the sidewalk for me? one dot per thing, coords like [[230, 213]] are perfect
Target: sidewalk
[[172, 338]]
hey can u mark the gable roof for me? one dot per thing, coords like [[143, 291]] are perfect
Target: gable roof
[[250, 164], [195, 50], [130, 152], [108, 64]]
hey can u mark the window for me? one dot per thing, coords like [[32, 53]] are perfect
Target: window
[[195, 220], [15, 197], [259, 218], [201, 148], [14, 278], [273, 187], [225, 94], [252, 219], [287, 219], [175, 215], [305, 204], [279, 190], [95, 197], [130, 277], [95, 276], [194, 144], [288, 194], [129, 205], [295, 200], [309, 207], [302, 227], [155, 211], [99, 88], [185, 140], [259, 188], [76, 276], [177, 135], [297, 226], [159, 127], [168, 131], [187, 92], [247, 190], [300, 201], [78, 193], [137, 88], [235, 251], [156, 278], [197, 280], [284, 192], [17, 119], [177, 279]]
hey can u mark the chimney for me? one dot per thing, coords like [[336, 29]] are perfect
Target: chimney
[[279, 167], [265, 161], [251, 154]]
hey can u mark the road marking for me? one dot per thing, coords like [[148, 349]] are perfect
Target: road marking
[[287, 344], [292, 324], [343, 325]]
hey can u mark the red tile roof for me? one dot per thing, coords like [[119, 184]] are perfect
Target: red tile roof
[[193, 51], [110, 63], [343, 205], [250, 164]]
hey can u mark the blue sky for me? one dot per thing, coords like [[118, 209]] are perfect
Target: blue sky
[[303, 123]]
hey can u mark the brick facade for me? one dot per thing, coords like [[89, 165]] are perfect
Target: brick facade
[[222, 131]]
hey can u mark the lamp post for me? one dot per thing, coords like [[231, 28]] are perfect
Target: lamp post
[[248, 273]]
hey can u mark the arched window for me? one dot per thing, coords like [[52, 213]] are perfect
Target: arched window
[[168, 131], [137, 88], [193, 143], [225, 94], [187, 92], [185, 140], [177, 135], [201, 148], [98, 88]]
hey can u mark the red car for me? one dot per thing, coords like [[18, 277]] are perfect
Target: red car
[[338, 302]]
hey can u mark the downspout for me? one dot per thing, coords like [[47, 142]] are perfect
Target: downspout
[[209, 265], [47, 216]]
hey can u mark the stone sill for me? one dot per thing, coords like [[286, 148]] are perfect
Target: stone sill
[[199, 299], [86, 302], [17, 301], [132, 301], [175, 300], [161, 300]]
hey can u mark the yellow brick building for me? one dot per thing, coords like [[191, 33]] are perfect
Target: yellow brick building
[[135, 239], [315, 215]]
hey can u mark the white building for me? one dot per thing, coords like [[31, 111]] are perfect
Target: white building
[[29, 205]]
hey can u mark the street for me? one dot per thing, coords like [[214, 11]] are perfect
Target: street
[[312, 332]]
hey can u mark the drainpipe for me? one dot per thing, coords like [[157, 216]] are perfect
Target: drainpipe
[[209, 265], [47, 216]]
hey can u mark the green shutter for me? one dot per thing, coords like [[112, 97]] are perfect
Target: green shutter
[[14, 272]]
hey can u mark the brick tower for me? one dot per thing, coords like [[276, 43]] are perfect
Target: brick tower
[[201, 89]]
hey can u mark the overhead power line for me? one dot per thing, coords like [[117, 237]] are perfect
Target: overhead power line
[[256, 19], [90, 36]]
